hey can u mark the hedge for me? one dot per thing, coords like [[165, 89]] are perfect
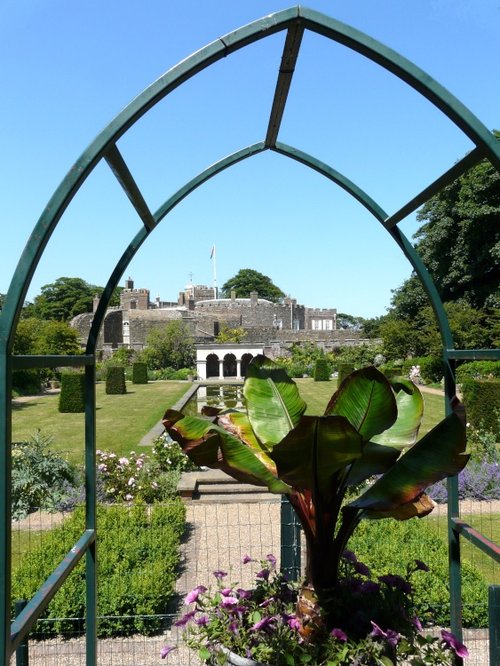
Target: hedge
[[482, 403], [321, 370], [139, 373], [72, 396], [478, 370], [388, 546], [115, 380], [345, 369], [138, 558]]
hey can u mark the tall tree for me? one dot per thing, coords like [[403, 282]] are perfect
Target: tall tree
[[459, 241], [247, 280], [170, 346], [66, 297]]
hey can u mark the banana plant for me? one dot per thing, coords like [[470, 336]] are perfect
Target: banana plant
[[367, 438]]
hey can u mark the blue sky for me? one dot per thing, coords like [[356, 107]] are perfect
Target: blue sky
[[68, 68]]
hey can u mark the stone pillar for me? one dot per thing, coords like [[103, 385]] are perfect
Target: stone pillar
[[254, 298], [238, 368], [221, 368]]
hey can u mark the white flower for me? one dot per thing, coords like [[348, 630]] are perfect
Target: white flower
[[131, 481], [123, 461], [129, 497]]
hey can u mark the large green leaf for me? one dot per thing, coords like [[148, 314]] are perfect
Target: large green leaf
[[375, 459], [208, 444], [410, 405], [366, 399], [319, 447], [273, 402], [439, 454]]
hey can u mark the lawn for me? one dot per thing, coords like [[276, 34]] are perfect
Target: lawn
[[317, 395], [122, 420]]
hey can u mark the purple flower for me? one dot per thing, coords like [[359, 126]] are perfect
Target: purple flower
[[370, 587], [392, 580], [339, 634], [228, 602], [264, 574], [226, 592], [349, 556], [220, 574], [246, 559], [362, 569], [244, 594], [421, 566], [166, 649], [416, 623], [294, 623], [262, 624], [393, 637], [192, 596], [453, 642], [377, 631], [181, 622], [271, 559], [233, 627], [201, 621]]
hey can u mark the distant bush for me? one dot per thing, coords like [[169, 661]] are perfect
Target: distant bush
[[115, 380], [171, 373], [72, 395], [478, 370], [321, 370], [431, 368], [344, 371], [478, 481], [40, 477], [26, 382], [482, 403], [137, 569], [386, 546], [139, 373]]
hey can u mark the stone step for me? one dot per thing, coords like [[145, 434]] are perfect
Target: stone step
[[216, 486]]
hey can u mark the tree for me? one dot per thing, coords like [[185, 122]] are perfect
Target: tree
[[170, 346], [459, 241], [228, 334], [247, 280], [37, 336], [66, 297]]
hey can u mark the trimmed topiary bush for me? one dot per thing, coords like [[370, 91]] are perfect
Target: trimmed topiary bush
[[345, 369], [321, 370], [482, 403], [139, 373], [115, 380], [138, 560], [72, 396]]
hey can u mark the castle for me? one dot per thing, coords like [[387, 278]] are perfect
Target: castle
[[276, 325]]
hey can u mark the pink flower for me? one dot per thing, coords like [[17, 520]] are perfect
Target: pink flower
[[123, 461], [192, 596], [166, 649], [453, 642], [416, 623], [294, 623], [246, 559], [229, 602], [339, 634], [220, 574], [181, 622]]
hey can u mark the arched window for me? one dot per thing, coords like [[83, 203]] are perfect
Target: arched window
[[229, 365], [212, 365], [245, 360]]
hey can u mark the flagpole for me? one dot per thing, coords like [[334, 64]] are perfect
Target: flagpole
[[214, 267]]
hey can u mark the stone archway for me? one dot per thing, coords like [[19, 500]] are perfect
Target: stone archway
[[245, 361], [229, 368], [212, 367]]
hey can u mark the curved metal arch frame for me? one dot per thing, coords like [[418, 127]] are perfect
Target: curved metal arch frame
[[295, 21]]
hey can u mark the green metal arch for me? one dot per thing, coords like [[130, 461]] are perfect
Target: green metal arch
[[295, 20]]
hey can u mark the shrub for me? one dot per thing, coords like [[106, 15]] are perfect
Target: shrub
[[40, 478], [431, 367], [115, 380], [344, 371], [386, 546], [478, 481], [482, 403], [26, 382], [478, 370], [139, 373], [482, 443], [169, 455], [321, 370], [137, 567], [171, 373], [72, 396]]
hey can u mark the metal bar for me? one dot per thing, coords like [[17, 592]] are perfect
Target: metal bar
[[473, 354], [25, 620], [51, 361], [22, 652], [479, 540], [287, 68], [122, 173], [90, 516], [494, 623], [5, 500], [290, 541], [448, 177]]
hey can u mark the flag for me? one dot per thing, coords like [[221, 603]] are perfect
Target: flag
[[212, 252]]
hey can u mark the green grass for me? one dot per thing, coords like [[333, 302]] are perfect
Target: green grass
[[317, 395], [122, 420], [486, 523]]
